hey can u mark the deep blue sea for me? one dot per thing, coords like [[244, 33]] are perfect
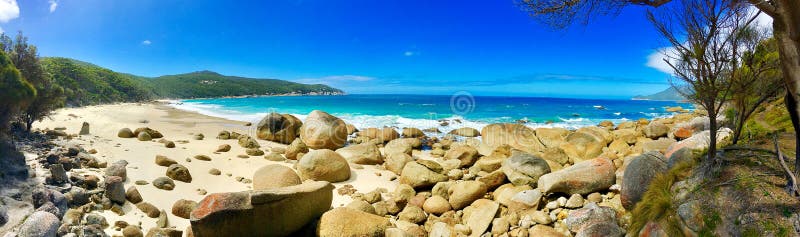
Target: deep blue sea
[[424, 111]]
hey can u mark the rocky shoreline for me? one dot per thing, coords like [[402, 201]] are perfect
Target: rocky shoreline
[[308, 177]]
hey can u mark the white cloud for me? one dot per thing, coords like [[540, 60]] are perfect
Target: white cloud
[[763, 20], [53, 5], [408, 53], [146, 42], [656, 60], [9, 10]]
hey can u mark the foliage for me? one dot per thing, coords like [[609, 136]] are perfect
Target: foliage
[[756, 81], [210, 84], [767, 120], [16, 91], [656, 204], [86, 84]]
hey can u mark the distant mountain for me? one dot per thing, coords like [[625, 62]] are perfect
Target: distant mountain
[[668, 94], [85, 83]]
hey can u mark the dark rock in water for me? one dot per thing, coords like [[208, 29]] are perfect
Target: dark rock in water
[[638, 175], [273, 212], [84, 129], [282, 128], [40, 224]]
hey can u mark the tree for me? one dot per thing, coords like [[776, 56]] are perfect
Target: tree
[[785, 26], [757, 80], [16, 92], [25, 58]]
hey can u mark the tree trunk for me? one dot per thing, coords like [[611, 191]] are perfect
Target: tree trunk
[[712, 131], [786, 28]]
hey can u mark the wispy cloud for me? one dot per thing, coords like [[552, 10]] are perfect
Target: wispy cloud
[[9, 10], [146, 42], [656, 60], [410, 53], [53, 5], [330, 80]]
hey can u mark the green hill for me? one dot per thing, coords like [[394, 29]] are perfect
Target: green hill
[[85, 83], [667, 94]]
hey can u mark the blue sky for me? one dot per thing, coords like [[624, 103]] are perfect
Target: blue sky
[[361, 46]]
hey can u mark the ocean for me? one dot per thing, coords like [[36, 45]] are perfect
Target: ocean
[[426, 111]]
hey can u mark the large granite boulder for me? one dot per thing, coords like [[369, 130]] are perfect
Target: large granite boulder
[[275, 176], [582, 178], [296, 147], [347, 222], [323, 165], [462, 194], [40, 224], [272, 212], [420, 176], [655, 130], [364, 154], [402, 145], [523, 168], [464, 153], [282, 128], [383, 135], [594, 220], [465, 132], [515, 135], [638, 174], [552, 137], [586, 143], [115, 189], [413, 132], [323, 131]]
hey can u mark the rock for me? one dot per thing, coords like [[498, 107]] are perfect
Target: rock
[[282, 128], [199, 136], [574, 201], [132, 231], [248, 142], [57, 174], [364, 154], [419, 176], [115, 189], [179, 172], [402, 145], [413, 133], [601, 229], [95, 219], [133, 195], [525, 199], [323, 131], [655, 130], [163, 232], [169, 144], [464, 193], [482, 212], [493, 179], [223, 148], [254, 152], [465, 132], [500, 226], [164, 161], [552, 137], [436, 205], [351, 129], [274, 176], [325, 165], [125, 133], [118, 168], [582, 178], [346, 222], [143, 136], [523, 168], [586, 143], [628, 135], [152, 132], [164, 183], [382, 135], [273, 212], [361, 205], [413, 214], [544, 231], [224, 135], [148, 209], [466, 154], [274, 157], [182, 208], [295, 148], [3, 215], [396, 161], [202, 157], [638, 175], [84, 129], [592, 214], [517, 136], [40, 224], [683, 133], [661, 145]]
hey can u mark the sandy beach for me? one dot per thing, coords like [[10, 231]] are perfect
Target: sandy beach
[[177, 125]]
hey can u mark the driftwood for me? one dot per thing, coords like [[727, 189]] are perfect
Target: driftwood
[[792, 185]]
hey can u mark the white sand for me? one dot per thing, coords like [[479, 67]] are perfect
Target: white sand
[[174, 124]]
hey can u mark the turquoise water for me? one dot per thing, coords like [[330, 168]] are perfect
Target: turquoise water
[[423, 111]]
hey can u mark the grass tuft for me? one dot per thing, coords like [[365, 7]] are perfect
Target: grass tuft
[[656, 204]]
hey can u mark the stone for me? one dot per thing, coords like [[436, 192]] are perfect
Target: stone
[[661, 145], [164, 183], [465, 132], [544, 231], [351, 129], [323, 165], [396, 161], [163, 232], [179, 172], [348, 222], [274, 176], [132, 231], [364, 154], [482, 212], [413, 214], [297, 146], [169, 144], [40, 224], [223, 148], [57, 174], [404, 192], [224, 135], [382, 135], [401, 145], [199, 136], [601, 229], [133, 195], [419, 176], [248, 142], [552, 137], [84, 129], [115, 189], [505, 192], [574, 201], [682, 133], [582, 178], [361, 205], [143, 136], [272, 156], [148, 209], [525, 199], [638, 174], [628, 135], [462, 194], [413, 133], [125, 133], [254, 152], [578, 220], [95, 219], [436, 205], [152, 132], [466, 154], [214, 171], [202, 157], [523, 168], [281, 128], [517, 136], [118, 168], [164, 161], [183, 208], [655, 130], [323, 131]]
